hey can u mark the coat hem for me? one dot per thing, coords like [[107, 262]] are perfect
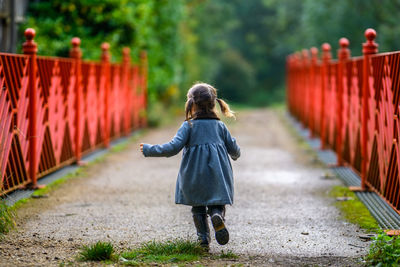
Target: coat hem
[[222, 202]]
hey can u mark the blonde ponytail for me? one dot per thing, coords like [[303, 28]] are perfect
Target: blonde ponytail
[[225, 109]]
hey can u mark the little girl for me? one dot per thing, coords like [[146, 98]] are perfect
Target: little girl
[[205, 179]]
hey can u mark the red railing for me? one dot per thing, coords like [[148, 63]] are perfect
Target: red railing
[[54, 110], [352, 104]]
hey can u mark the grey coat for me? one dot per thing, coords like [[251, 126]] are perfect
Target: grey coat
[[205, 176]]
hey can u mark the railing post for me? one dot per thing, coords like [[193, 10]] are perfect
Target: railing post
[[296, 87], [326, 57], [126, 64], [30, 48], [290, 77], [143, 85], [306, 86], [105, 60], [343, 56], [369, 48], [76, 54], [314, 59]]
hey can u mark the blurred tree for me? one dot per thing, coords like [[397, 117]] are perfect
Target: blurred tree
[[140, 24], [239, 46]]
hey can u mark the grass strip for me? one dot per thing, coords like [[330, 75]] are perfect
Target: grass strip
[[7, 218], [353, 210]]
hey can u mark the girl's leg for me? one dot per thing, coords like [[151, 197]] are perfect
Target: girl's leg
[[217, 214], [201, 224]]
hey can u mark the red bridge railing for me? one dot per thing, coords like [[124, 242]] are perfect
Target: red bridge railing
[[352, 104], [54, 110]]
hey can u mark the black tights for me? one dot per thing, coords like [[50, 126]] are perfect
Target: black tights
[[208, 209]]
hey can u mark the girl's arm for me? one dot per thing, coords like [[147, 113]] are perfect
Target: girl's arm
[[168, 149], [231, 145]]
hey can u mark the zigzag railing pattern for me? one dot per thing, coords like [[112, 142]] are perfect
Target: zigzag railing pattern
[[352, 104], [79, 106]]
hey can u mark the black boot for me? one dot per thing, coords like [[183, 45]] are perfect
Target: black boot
[[217, 215], [203, 231], [201, 223]]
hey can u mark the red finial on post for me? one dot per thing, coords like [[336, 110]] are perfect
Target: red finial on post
[[344, 52], [126, 51], [370, 47], [75, 51], [314, 54], [29, 47], [305, 55], [105, 55], [326, 52]]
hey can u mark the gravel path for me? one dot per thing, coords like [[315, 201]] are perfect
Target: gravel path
[[282, 215]]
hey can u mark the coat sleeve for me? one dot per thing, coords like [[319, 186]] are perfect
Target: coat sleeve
[[231, 145], [171, 148]]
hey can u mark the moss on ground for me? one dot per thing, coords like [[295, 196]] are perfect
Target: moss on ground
[[353, 210]]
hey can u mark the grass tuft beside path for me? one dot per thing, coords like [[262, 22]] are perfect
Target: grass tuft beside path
[[97, 252], [164, 252]]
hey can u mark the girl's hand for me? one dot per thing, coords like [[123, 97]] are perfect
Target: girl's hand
[[141, 147]]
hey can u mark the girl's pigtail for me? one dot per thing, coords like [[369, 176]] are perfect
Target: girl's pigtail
[[188, 109], [225, 109]]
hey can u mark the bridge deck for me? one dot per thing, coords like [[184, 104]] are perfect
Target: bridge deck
[[282, 213]]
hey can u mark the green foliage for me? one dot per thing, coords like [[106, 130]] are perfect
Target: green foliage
[[353, 209], [7, 218], [384, 251], [238, 46], [235, 72], [150, 25], [97, 252], [164, 252]]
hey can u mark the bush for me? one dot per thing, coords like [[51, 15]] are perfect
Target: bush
[[384, 251]]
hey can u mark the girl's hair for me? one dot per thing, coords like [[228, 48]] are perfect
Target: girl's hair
[[201, 100]]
